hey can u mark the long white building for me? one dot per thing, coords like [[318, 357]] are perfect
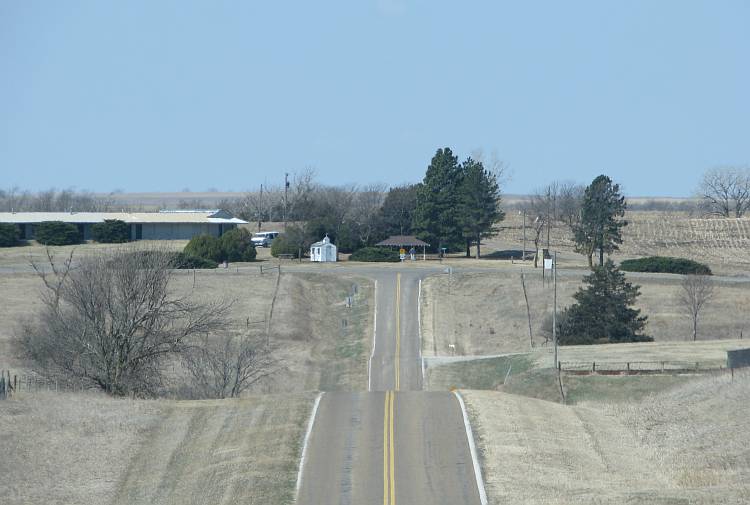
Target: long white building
[[163, 225]]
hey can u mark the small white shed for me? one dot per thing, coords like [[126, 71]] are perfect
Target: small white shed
[[323, 251]]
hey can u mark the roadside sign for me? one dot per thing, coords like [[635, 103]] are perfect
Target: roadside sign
[[548, 263], [402, 251]]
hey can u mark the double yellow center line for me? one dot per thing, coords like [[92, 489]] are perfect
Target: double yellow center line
[[389, 453], [389, 466]]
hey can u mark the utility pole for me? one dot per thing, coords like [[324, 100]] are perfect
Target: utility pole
[[549, 199], [554, 306], [286, 192], [523, 258], [260, 207]]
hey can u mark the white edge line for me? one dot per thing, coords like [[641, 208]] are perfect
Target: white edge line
[[473, 450], [310, 424], [374, 338], [419, 325]]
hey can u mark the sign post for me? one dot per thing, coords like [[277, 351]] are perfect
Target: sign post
[[402, 254]]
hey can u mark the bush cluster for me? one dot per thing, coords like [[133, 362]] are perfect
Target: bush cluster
[[237, 245], [665, 264], [57, 233], [234, 245], [283, 245], [111, 231], [8, 235], [186, 261], [375, 254]]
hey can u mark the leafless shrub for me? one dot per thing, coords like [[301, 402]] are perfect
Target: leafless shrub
[[112, 319], [228, 366], [696, 291]]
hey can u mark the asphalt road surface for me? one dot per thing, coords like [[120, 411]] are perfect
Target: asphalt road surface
[[394, 444]]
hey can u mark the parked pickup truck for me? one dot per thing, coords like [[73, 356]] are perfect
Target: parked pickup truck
[[264, 238]]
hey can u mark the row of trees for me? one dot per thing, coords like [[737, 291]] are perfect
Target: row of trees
[[594, 214], [454, 207], [52, 200], [457, 204]]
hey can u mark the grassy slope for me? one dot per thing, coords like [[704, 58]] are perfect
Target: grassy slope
[[666, 449], [69, 448], [229, 451], [91, 449]]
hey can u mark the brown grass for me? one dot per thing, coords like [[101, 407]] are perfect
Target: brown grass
[[87, 448], [68, 449], [685, 445], [485, 313]]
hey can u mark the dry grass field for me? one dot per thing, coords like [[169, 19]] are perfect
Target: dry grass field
[[485, 313], [685, 445], [86, 448], [322, 344], [76, 448]]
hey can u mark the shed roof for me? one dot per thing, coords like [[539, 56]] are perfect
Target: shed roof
[[403, 240], [202, 216]]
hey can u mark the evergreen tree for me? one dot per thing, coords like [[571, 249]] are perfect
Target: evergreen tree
[[436, 216], [397, 212], [600, 226], [603, 310], [479, 202]]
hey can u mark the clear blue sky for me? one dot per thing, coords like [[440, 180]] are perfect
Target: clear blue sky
[[159, 96]]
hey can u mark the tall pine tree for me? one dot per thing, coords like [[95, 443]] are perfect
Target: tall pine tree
[[599, 228], [479, 204], [603, 311], [436, 216]]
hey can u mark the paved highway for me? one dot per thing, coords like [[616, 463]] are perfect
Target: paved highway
[[394, 444]]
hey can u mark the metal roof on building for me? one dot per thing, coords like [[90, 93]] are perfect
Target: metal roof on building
[[203, 216]]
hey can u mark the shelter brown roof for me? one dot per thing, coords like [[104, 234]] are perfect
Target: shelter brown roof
[[403, 240]]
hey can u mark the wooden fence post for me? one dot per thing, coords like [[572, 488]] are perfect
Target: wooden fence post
[[593, 366]]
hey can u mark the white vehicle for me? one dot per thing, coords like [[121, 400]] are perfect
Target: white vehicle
[[264, 238]]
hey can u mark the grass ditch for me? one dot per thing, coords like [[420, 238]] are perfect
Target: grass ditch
[[485, 373], [541, 383]]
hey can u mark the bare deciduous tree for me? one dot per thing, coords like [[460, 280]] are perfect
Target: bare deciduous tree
[[226, 367], [112, 319], [366, 210], [726, 191], [696, 291], [540, 209], [570, 199]]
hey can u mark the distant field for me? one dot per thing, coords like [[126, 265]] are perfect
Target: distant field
[[722, 243]]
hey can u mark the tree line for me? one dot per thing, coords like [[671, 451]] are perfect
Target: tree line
[[454, 207]]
